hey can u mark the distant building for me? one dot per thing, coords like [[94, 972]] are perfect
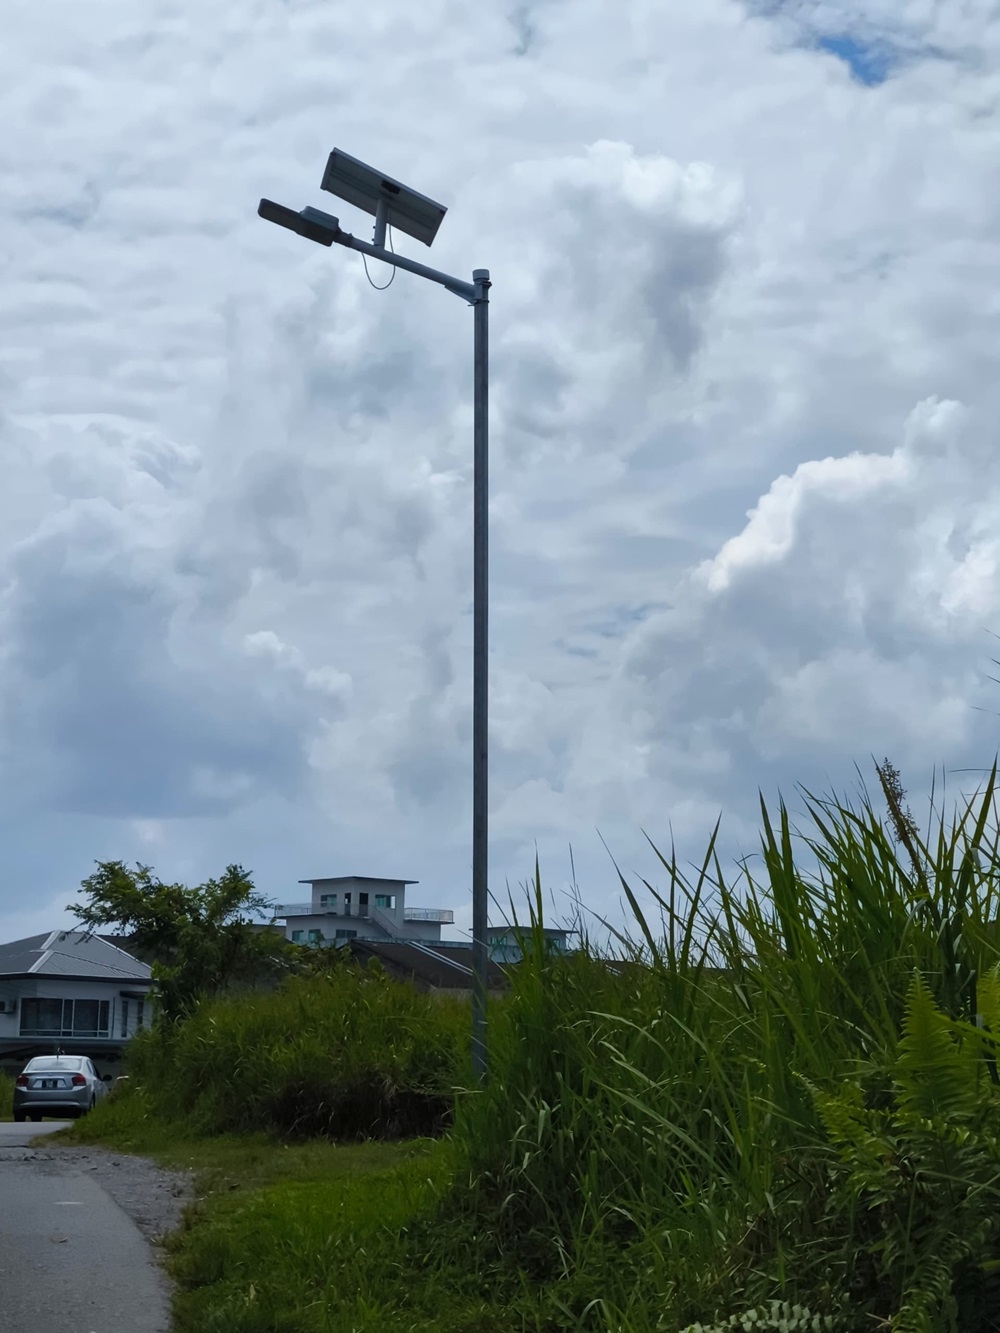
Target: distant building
[[505, 941], [360, 907], [69, 991]]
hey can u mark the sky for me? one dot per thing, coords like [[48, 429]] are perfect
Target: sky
[[745, 489]]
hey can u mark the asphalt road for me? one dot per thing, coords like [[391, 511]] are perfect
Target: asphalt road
[[70, 1260]]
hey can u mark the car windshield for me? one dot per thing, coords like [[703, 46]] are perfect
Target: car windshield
[[52, 1062]]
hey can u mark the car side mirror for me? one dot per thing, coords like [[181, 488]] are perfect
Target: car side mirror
[[106, 1078]]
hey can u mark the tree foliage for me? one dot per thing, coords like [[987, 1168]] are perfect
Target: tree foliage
[[199, 940]]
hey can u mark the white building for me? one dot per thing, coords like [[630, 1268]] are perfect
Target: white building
[[360, 907]]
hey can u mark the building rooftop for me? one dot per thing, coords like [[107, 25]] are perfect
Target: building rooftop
[[442, 966], [365, 879], [70, 953]]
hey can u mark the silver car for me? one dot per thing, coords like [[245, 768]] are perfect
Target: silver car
[[58, 1085]]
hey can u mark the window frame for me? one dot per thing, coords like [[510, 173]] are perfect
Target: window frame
[[69, 1025]]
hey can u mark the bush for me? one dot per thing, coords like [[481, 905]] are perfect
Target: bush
[[6, 1096], [349, 1054]]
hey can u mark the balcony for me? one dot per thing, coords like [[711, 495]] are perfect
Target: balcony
[[304, 909], [442, 915]]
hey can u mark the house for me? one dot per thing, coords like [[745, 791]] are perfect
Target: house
[[360, 907], [72, 992], [505, 942]]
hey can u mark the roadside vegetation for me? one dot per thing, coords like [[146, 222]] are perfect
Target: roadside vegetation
[[347, 1053], [6, 1096], [775, 1105]]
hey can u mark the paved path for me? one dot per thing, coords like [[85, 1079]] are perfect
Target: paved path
[[70, 1260], [19, 1136]]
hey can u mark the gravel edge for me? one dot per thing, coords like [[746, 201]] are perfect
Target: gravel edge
[[152, 1196]]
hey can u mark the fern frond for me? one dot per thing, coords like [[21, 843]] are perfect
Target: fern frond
[[988, 995], [775, 1317], [935, 1074]]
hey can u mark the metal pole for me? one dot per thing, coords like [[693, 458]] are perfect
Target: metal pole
[[480, 669], [381, 211]]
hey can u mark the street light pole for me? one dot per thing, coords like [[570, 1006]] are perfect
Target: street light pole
[[480, 668], [421, 217]]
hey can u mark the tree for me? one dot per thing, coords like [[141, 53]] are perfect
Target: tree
[[199, 940]]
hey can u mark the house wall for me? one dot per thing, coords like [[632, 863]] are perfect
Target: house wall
[[505, 944], [69, 988], [391, 888], [429, 931], [421, 930], [8, 1022], [327, 926]]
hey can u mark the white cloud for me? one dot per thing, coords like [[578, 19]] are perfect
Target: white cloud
[[771, 533], [744, 493]]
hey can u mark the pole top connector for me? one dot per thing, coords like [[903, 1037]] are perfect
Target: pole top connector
[[481, 275]]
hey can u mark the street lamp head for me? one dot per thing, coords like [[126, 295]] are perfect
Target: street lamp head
[[405, 209], [310, 223]]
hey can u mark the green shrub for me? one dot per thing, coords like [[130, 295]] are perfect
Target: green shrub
[[350, 1054], [6, 1096], [667, 1135]]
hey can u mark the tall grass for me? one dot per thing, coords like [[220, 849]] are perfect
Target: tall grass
[[776, 1106], [349, 1054], [782, 1090]]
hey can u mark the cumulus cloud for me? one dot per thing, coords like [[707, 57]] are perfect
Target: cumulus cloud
[[744, 499], [846, 617]]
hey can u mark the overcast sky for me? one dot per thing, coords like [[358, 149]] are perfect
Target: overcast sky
[[745, 480]]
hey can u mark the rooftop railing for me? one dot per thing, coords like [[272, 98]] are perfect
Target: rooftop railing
[[444, 915]]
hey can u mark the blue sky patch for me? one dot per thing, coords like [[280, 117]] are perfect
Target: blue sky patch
[[870, 63]]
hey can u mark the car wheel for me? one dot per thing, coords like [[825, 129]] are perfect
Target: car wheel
[[19, 1117], [93, 1103], [36, 1116]]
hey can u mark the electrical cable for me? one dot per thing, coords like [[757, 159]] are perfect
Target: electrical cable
[[369, 276]]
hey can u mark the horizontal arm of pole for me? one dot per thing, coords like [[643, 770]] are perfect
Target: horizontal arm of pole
[[466, 290]]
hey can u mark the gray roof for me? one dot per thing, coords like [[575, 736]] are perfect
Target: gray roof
[[365, 879], [445, 965], [70, 953]]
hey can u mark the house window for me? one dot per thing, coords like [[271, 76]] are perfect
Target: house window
[[315, 937], [347, 934], [385, 900], [133, 1012], [296, 936], [328, 900], [65, 1018]]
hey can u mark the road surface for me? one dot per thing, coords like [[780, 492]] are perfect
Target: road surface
[[70, 1260]]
